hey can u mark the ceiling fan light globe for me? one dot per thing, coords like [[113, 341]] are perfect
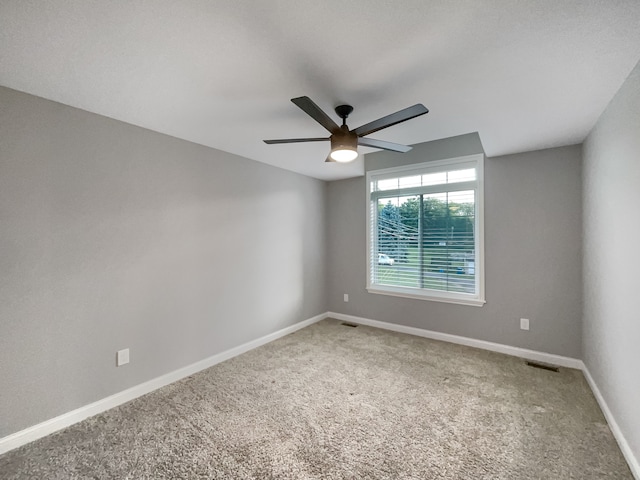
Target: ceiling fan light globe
[[344, 155]]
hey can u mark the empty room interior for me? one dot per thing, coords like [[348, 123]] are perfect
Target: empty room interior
[[303, 239]]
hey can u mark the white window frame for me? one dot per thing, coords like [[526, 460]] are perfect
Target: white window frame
[[477, 161]]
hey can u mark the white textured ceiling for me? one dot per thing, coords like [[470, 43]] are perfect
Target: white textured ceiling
[[524, 74]]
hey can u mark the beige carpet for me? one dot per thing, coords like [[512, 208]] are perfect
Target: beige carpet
[[334, 402]]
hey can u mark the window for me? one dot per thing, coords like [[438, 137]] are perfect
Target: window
[[426, 231]]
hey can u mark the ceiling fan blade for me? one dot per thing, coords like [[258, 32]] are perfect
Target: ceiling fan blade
[[315, 112], [295, 140], [393, 119], [393, 147]]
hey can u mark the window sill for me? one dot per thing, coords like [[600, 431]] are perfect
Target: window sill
[[405, 293]]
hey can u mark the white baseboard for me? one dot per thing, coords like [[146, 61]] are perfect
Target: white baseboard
[[632, 461], [559, 360], [48, 427]]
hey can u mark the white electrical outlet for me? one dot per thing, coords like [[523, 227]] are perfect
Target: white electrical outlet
[[346, 297], [122, 357], [524, 324]]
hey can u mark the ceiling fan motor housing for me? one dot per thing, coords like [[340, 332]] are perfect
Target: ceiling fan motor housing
[[344, 140]]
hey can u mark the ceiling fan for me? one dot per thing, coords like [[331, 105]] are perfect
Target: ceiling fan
[[344, 142]]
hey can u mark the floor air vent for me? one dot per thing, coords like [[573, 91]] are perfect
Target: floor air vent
[[352, 325], [543, 366]]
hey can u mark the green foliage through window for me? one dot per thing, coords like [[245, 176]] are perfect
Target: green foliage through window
[[430, 238]]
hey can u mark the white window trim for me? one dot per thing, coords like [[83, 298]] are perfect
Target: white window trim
[[425, 294]]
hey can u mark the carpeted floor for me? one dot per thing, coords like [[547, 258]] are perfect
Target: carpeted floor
[[334, 402]]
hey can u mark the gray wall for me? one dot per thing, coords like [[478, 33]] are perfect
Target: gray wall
[[112, 236], [532, 251], [611, 257], [445, 148]]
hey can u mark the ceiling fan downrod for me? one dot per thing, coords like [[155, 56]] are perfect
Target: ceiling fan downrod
[[343, 112]]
